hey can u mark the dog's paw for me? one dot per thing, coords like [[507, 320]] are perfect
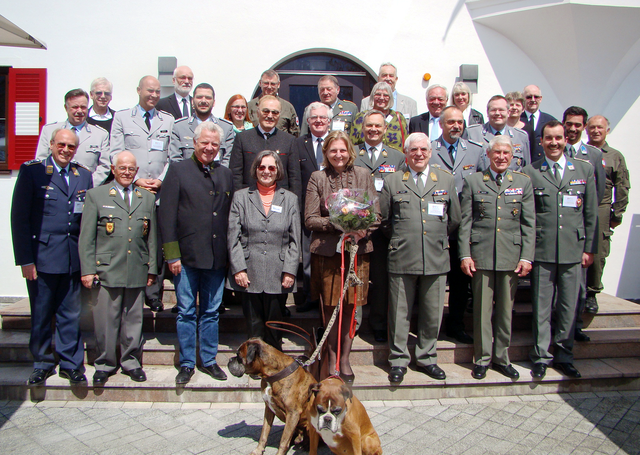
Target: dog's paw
[[257, 452]]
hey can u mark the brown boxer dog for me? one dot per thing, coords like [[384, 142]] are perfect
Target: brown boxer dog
[[339, 418], [285, 390]]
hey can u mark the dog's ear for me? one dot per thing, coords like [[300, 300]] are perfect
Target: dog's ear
[[346, 392], [253, 351], [314, 388]]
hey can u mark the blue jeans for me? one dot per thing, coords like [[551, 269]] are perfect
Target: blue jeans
[[210, 284]]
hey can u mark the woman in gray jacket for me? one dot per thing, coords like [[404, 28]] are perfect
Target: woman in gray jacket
[[264, 243]]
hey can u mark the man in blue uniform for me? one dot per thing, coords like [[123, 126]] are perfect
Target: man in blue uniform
[[45, 222]]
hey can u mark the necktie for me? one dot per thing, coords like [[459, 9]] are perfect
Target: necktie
[[420, 183], [75, 130], [434, 131], [532, 121], [127, 202], [372, 154], [147, 121], [63, 174], [185, 109], [498, 133], [267, 135], [556, 173], [452, 153], [319, 156], [572, 151], [499, 179]]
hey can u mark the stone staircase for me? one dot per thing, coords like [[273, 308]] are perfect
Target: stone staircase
[[610, 361]]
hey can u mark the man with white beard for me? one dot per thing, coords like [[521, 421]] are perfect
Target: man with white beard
[[178, 104]]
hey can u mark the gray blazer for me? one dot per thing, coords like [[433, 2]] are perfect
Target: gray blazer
[[594, 156], [151, 148], [92, 151], [266, 246], [482, 134], [419, 241], [181, 146], [468, 159], [405, 105], [498, 222]]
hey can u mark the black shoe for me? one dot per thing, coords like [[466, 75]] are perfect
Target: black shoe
[[184, 376], [137, 374], [506, 370], [461, 336], [156, 305], [396, 375], [39, 376], [581, 336], [591, 305], [101, 377], [215, 372], [567, 369], [221, 309], [434, 371], [539, 370], [479, 372], [308, 306], [380, 336], [286, 312], [74, 376], [348, 378], [174, 310]]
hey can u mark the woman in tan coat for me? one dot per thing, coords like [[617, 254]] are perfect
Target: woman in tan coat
[[338, 172]]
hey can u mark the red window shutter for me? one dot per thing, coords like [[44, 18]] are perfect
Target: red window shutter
[[26, 107]]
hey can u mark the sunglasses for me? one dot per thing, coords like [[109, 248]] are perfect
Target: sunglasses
[[262, 167]]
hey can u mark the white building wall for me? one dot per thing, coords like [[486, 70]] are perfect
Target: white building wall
[[229, 44]]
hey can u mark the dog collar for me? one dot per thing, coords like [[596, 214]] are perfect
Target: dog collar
[[287, 371]]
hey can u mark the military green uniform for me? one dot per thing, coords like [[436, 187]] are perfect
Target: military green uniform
[[343, 115], [288, 121], [119, 244], [497, 231], [418, 224], [610, 209], [566, 227]]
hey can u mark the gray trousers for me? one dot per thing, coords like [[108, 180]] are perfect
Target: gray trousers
[[117, 316], [403, 290], [487, 286], [549, 279]]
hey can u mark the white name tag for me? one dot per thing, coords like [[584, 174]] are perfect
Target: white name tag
[[338, 125], [435, 208], [569, 200], [276, 208], [157, 145], [379, 184], [77, 207], [389, 118]]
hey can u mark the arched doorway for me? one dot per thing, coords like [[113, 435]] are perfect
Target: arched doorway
[[299, 74]]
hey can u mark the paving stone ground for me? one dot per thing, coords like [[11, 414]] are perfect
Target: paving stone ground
[[574, 423]]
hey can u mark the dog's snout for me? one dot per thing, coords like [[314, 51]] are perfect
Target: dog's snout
[[236, 367]]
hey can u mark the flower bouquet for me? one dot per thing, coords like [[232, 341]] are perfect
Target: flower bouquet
[[351, 210]]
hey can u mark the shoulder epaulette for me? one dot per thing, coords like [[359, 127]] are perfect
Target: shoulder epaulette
[[437, 166], [81, 165], [32, 162], [521, 173], [474, 142], [445, 170], [98, 127], [580, 159], [220, 119]]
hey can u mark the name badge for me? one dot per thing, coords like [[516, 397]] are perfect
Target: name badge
[[569, 200], [435, 208], [389, 118], [338, 125], [276, 208], [157, 145], [379, 184], [77, 207]]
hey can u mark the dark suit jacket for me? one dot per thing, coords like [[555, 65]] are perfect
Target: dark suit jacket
[[248, 144], [44, 222], [170, 105], [537, 152], [303, 147], [420, 123], [193, 217], [106, 124]]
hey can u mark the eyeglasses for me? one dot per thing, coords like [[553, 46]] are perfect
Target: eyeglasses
[[269, 84], [127, 169], [102, 93], [262, 167], [533, 97], [322, 118], [63, 145], [239, 107], [266, 111]]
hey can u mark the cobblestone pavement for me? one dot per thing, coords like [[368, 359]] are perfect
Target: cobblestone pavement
[[581, 423]]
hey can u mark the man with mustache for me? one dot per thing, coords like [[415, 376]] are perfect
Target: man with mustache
[[270, 84], [204, 98], [178, 103]]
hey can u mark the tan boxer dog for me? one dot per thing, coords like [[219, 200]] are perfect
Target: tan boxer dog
[[285, 390], [340, 419]]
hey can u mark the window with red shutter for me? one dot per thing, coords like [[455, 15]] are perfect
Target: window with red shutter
[[26, 90]]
